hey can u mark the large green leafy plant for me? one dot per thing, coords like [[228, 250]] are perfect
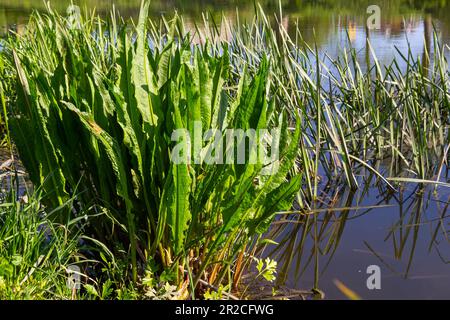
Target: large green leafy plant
[[96, 108]]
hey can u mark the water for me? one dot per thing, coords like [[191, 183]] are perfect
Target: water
[[405, 233], [330, 23]]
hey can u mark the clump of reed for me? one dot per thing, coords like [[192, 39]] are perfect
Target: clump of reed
[[354, 112]]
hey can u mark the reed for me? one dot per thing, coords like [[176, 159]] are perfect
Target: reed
[[353, 113]]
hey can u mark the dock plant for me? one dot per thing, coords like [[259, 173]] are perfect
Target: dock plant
[[96, 108]]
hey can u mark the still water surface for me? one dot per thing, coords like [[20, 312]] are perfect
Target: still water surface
[[405, 233]]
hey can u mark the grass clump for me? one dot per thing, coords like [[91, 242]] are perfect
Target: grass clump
[[35, 252]]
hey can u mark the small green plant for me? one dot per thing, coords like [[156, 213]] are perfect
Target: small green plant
[[267, 269], [103, 293], [159, 287], [217, 295], [266, 272]]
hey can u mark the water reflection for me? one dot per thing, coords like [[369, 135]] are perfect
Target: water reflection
[[405, 233], [330, 23]]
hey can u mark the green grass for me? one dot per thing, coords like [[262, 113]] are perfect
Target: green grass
[[35, 252], [5, 95]]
